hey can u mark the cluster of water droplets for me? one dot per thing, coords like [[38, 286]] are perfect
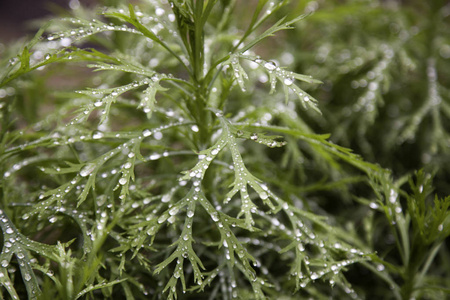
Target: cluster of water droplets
[[372, 84], [238, 72], [104, 102], [287, 79], [85, 29], [205, 158], [148, 98], [270, 141], [15, 243]]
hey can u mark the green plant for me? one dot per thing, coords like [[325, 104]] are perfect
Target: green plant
[[172, 172]]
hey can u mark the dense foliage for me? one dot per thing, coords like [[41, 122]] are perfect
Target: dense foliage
[[175, 149]]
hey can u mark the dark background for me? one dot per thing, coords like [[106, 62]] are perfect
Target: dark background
[[16, 15]]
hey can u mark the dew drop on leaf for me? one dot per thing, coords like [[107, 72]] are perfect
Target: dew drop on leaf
[[171, 220], [146, 132], [123, 181], [270, 66], [215, 216], [162, 219], [373, 205], [288, 81], [97, 135], [173, 211], [165, 198], [158, 135], [154, 156], [87, 170]]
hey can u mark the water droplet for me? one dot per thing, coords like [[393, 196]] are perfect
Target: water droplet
[[171, 220], [186, 237], [263, 196], [173, 211], [373, 205], [66, 42], [215, 216], [380, 267], [123, 181], [127, 165], [27, 277], [254, 136], [159, 11], [162, 219], [288, 81], [158, 135], [392, 196], [146, 132], [190, 214], [52, 219], [165, 198], [154, 156], [194, 128], [270, 66], [214, 151], [5, 263], [97, 135], [9, 230], [87, 170]]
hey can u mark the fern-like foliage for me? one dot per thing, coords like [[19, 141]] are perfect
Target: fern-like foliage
[[170, 173]]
